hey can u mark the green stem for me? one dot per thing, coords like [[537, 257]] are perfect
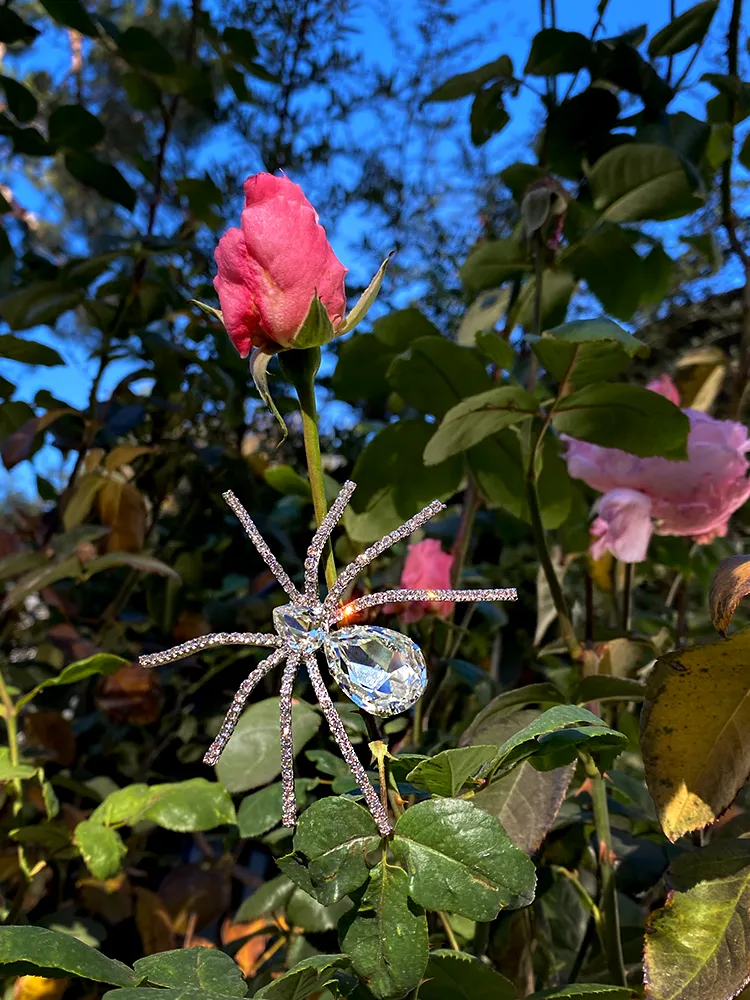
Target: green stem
[[11, 721], [301, 367], [627, 598], [610, 917]]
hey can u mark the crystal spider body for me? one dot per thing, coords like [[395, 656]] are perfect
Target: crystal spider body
[[381, 670]]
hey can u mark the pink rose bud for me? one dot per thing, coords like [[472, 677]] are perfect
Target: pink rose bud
[[271, 268], [695, 498], [427, 567]]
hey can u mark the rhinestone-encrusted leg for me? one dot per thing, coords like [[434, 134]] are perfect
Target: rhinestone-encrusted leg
[[238, 703], [288, 802], [352, 571], [263, 550], [321, 536], [407, 596], [347, 750], [207, 642]]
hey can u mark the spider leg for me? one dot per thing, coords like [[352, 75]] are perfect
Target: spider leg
[[238, 703], [207, 642], [314, 552], [263, 550], [288, 802], [347, 750], [352, 571], [407, 596]]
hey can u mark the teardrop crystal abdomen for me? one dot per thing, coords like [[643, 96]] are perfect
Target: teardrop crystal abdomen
[[380, 670]]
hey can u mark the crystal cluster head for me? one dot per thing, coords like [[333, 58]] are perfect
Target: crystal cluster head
[[382, 671], [301, 628]]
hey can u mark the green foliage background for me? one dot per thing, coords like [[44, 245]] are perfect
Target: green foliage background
[[535, 823]]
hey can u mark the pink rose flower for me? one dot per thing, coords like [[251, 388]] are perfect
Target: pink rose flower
[[695, 498], [270, 269], [427, 567]]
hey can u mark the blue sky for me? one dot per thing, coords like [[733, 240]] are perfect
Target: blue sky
[[507, 27]]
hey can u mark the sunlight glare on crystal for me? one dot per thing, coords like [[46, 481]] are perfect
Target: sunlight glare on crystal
[[380, 670], [300, 628]]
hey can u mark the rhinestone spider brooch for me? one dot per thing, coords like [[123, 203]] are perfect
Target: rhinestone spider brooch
[[380, 670]]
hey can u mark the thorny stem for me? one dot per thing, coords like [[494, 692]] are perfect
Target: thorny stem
[[532, 496], [627, 597], [305, 388], [10, 716], [610, 916], [728, 217]]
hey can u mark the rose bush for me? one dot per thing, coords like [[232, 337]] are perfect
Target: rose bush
[[645, 495], [271, 268]]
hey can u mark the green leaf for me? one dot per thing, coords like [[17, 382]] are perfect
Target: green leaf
[[360, 373], [623, 416], [332, 841], [10, 771], [37, 303], [204, 968], [366, 299], [271, 897], [525, 801], [401, 327], [21, 102], [259, 362], [555, 736], [688, 28], [126, 805], [488, 114], [99, 663], [638, 181], [460, 859], [71, 126], [260, 812], [601, 687], [27, 351], [13, 29], [464, 84], [697, 945], [492, 262], [143, 50], [104, 178], [101, 848], [305, 912], [478, 417], [135, 560], [499, 469], [37, 951], [191, 806], [497, 350], [454, 975], [256, 738], [71, 14], [446, 773], [389, 463], [589, 350], [607, 261], [308, 978], [554, 51], [435, 374], [575, 990], [184, 806], [142, 92], [390, 963], [241, 43]]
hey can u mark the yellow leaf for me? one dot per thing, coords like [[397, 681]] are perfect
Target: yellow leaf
[[39, 988], [78, 506], [124, 454], [121, 507], [700, 375], [153, 922], [730, 584], [695, 732], [600, 571]]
